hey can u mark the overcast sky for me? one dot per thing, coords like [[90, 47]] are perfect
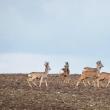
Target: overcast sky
[[34, 31]]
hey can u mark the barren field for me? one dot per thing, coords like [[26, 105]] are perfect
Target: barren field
[[15, 94]]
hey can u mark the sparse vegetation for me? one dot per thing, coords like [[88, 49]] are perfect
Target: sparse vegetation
[[15, 94]]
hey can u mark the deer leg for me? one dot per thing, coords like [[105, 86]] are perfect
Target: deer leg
[[97, 82], [65, 80], [84, 83], [88, 83], [94, 83], [41, 80], [34, 83], [82, 78], [46, 83], [77, 84], [68, 79], [29, 83], [108, 83]]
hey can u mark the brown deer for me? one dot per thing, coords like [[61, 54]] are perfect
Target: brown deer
[[89, 72], [99, 65], [103, 76], [39, 75], [65, 74]]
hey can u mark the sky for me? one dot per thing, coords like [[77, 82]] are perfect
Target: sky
[[35, 31]]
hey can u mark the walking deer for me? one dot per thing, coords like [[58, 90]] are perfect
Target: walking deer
[[39, 75], [89, 72]]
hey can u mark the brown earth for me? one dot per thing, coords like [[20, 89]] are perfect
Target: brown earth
[[15, 94]]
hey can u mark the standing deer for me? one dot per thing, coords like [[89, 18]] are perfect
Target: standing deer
[[39, 75], [89, 72], [65, 75]]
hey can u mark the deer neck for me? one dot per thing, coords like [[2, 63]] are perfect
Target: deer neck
[[98, 68], [46, 71]]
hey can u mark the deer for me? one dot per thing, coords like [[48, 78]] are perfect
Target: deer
[[103, 76], [65, 74], [99, 65], [39, 75], [89, 72]]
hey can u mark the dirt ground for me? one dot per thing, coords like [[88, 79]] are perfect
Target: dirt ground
[[15, 94]]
